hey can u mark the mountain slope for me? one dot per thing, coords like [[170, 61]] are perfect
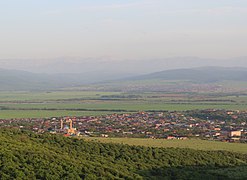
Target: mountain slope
[[203, 74], [22, 80]]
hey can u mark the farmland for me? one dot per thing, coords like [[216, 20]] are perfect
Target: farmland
[[77, 103], [190, 143], [9, 114]]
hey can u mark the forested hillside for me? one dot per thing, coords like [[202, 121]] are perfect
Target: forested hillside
[[26, 155]]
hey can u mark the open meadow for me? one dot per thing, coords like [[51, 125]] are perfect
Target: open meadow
[[190, 143]]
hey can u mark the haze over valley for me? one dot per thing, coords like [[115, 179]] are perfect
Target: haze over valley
[[178, 79], [124, 67], [126, 89]]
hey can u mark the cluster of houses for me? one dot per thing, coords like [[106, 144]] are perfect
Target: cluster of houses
[[219, 125]]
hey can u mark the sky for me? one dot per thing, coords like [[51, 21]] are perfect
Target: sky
[[122, 29]]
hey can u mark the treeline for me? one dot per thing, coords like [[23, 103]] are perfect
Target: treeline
[[25, 155]]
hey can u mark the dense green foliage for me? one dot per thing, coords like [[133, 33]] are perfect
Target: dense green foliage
[[25, 155]]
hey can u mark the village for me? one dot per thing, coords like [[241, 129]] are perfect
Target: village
[[219, 125]]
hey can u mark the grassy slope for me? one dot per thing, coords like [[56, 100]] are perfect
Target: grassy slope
[[190, 143]]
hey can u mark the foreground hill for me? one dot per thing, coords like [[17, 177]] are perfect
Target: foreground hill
[[26, 155]]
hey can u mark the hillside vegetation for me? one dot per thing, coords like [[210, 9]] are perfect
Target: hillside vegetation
[[25, 155]]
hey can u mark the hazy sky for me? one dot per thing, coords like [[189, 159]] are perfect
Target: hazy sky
[[122, 29]]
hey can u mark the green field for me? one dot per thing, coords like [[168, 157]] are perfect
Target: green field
[[37, 96], [77, 103], [11, 114], [125, 105], [190, 143]]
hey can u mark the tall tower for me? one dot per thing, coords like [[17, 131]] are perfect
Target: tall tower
[[61, 124], [69, 130], [70, 124]]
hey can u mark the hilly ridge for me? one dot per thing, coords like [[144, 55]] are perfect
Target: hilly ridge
[[202, 74], [23, 80]]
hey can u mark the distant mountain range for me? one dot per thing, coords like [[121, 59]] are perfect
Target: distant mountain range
[[202, 74], [116, 67], [23, 80]]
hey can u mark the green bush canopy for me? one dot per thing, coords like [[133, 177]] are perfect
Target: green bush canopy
[[26, 155]]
